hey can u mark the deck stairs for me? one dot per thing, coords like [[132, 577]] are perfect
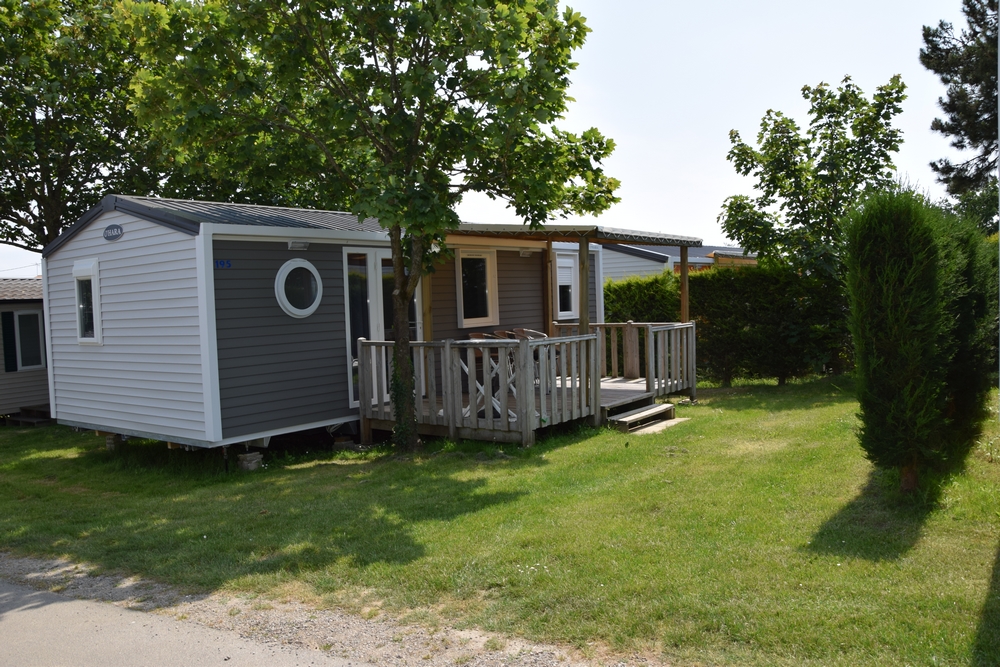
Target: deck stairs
[[35, 415], [640, 414]]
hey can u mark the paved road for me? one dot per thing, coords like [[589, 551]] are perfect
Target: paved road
[[42, 629]]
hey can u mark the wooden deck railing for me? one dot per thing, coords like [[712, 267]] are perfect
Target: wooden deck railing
[[492, 389], [670, 359], [665, 351]]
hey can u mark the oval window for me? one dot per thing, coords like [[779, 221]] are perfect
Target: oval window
[[298, 288]]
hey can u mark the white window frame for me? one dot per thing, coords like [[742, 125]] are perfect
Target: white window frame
[[84, 269], [574, 283], [41, 337], [374, 258], [279, 288], [492, 300]]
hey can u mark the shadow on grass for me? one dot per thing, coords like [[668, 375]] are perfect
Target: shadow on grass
[[986, 650], [880, 523], [798, 395], [175, 516]]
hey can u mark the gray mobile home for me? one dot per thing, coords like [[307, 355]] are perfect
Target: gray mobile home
[[24, 382], [200, 323], [209, 324]]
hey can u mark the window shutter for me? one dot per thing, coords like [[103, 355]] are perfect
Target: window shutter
[[565, 267], [9, 341]]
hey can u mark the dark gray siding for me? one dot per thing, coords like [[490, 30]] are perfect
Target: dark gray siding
[[22, 389], [276, 371], [519, 280]]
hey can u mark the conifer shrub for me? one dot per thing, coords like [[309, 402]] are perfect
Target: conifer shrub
[[917, 286]]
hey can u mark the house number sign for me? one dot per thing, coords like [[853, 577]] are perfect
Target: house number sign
[[113, 232]]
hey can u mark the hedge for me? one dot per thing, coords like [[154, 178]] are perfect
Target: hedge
[[751, 321]]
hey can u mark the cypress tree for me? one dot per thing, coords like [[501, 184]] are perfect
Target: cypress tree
[[917, 282]]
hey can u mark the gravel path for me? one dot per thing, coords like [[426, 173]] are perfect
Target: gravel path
[[380, 641]]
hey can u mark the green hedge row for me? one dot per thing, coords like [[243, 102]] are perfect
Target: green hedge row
[[923, 305], [751, 321], [766, 322]]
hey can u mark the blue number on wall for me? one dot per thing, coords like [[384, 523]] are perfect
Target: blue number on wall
[[223, 264]]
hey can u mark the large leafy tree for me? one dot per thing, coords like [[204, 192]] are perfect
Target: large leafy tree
[[67, 135], [399, 106], [806, 181], [966, 63]]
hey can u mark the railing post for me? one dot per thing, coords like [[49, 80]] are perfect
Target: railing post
[[691, 355], [448, 380], [650, 360], [526, 393], [595, 381], [631, 351], [364, 400]]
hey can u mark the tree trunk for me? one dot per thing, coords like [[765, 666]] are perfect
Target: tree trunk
[[908, 478], [405, 279]]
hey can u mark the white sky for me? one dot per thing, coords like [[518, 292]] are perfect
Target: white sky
[[668, 80]]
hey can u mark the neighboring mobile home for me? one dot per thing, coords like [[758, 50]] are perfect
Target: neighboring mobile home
[[25, 381], [209, 324], [626, 261]]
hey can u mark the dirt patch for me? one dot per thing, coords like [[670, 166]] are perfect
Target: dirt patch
[[380, 641]]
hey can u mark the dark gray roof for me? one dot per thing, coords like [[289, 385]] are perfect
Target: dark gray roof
[[187, 216], [694, 252], [20, 289], [659, 255], [561, 232]]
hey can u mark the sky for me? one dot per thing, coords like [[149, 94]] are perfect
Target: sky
[[668, 80]]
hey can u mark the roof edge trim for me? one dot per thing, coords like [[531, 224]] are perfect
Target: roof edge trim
[[115, 203]]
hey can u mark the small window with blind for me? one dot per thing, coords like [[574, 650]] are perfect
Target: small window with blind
[[567, 284]]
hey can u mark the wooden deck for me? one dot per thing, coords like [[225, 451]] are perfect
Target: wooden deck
[[616, 394], [505, 390]]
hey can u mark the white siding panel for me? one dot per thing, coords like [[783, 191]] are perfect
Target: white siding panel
[[147, 375], [618, 265]]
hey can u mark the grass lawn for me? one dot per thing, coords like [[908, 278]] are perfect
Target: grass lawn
[[754, 534]]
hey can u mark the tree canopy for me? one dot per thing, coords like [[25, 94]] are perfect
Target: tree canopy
[[967, 64], [395, 108], [68, 138], [807, 181]]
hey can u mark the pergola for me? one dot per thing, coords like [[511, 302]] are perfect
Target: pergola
[[584, 235]]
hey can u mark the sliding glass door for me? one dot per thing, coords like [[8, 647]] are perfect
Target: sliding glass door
[[369, 286]]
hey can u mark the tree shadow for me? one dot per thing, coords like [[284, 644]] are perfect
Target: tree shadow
[[986, 650], [797, 395], [880, 523], [154, 512]]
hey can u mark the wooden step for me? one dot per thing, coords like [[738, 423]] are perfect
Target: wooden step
[[24, 420], [35, 411], [627, 421]]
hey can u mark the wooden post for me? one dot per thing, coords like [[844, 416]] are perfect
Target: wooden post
[[526, 393], [651, 383], [595, 383], [685, 312], [549, 326], [427, 306], [584, 283], [631, 352], [364, 393], [448, 376]]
